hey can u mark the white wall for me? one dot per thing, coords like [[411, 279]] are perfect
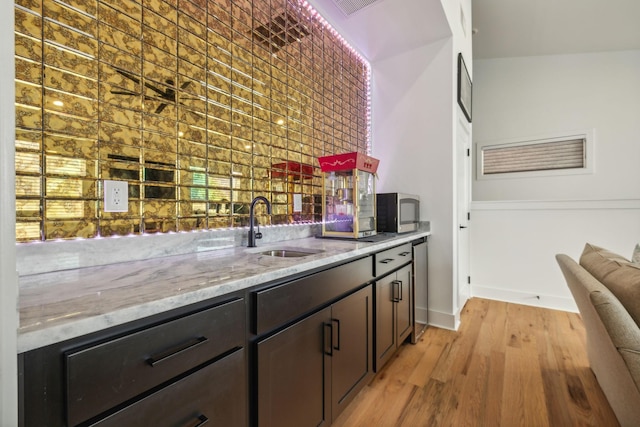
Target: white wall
[[415, 120], [513, 245], [412, 136], [8, 277], [523, 97], [518, 225]]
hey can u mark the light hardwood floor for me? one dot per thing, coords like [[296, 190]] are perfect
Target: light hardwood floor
[[508, 365]]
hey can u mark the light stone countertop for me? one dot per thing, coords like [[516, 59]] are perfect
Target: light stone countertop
[[61, 305]]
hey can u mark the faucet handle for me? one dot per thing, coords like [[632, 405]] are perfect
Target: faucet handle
[[258, 234]]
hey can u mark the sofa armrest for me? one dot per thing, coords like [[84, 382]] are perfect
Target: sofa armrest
[[612, 340], [621, 328], [604, 316]]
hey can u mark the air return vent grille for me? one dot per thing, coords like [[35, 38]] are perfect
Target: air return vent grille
[[568, 154], [280, 31], [349, 7]]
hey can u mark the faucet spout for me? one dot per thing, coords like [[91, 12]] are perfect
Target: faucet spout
[[252, 235]]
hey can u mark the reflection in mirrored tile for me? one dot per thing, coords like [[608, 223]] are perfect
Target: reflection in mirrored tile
[[199, 108]]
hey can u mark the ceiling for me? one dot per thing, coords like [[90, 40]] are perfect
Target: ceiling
[[384, 28], [505, 28]]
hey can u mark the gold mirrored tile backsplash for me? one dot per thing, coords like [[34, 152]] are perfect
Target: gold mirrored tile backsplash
[[200, 105]]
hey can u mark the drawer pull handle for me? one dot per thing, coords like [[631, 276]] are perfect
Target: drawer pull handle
[[203, 420], [404, 253], [386, 261], [157, 359]]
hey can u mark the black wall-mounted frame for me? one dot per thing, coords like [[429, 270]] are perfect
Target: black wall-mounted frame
[[464, 88]]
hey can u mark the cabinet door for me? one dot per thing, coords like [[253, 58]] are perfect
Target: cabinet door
[[291, 375], [351, 353], [403, 303], [385, 328]]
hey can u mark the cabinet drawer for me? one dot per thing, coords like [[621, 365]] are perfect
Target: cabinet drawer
[[214, 395], [283, 303], [387, 261], [103, 376]]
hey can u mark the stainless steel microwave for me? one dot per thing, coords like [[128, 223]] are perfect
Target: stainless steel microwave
[[397, 212]]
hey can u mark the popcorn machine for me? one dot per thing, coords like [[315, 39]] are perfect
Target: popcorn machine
[[348, 195]]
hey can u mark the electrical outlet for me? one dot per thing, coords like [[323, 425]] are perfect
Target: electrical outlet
[[116, 196], [297, 202]]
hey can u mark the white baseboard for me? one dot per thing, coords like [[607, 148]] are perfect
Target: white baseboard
[[444, 320], [544, 301], [452, 321]]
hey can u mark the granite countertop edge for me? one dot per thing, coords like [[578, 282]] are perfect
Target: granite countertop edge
[[48, 316]]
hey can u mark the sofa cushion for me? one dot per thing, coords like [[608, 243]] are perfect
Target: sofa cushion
[[620, 276], [600, 262]]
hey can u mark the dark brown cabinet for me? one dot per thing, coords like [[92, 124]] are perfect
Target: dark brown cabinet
[[393, 306], [393, 313], [175, 371], [291, 375], [309, 372], [292, 352], [404, 303], [313, 345], [208, 396], [351, 347]]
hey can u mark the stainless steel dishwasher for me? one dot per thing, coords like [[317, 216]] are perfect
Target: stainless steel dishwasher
[[420, 288]]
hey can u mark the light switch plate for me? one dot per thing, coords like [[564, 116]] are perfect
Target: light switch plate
[[116, 196]]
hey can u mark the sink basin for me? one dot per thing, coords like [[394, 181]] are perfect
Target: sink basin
[[290, 252]]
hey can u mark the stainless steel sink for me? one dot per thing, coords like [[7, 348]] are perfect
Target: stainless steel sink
[[290, 252]]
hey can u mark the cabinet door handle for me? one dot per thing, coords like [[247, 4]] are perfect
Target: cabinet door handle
[[400, 289], [404, 253], [386, 261], [203, 420], [166, 355], [335, 334], [328, 338], [395, 290]]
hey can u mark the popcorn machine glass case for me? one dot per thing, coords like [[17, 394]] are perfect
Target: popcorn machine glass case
[[348, 195]]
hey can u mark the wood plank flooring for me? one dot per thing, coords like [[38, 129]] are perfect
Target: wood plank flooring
[[508, 365]]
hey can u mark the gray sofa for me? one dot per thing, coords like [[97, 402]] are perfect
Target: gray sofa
[[606, 288]]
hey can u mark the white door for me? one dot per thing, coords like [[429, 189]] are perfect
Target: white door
[[463, 167]]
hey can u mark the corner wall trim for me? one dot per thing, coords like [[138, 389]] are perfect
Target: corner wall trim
[[525, 205]]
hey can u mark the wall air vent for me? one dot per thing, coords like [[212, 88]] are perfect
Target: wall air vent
[[561, 154], [282, 30], [349, 7]]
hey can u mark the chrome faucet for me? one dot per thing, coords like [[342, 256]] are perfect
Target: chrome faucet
[[252, 235]]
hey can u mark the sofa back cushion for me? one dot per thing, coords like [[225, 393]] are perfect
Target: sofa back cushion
[[620, 276]]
